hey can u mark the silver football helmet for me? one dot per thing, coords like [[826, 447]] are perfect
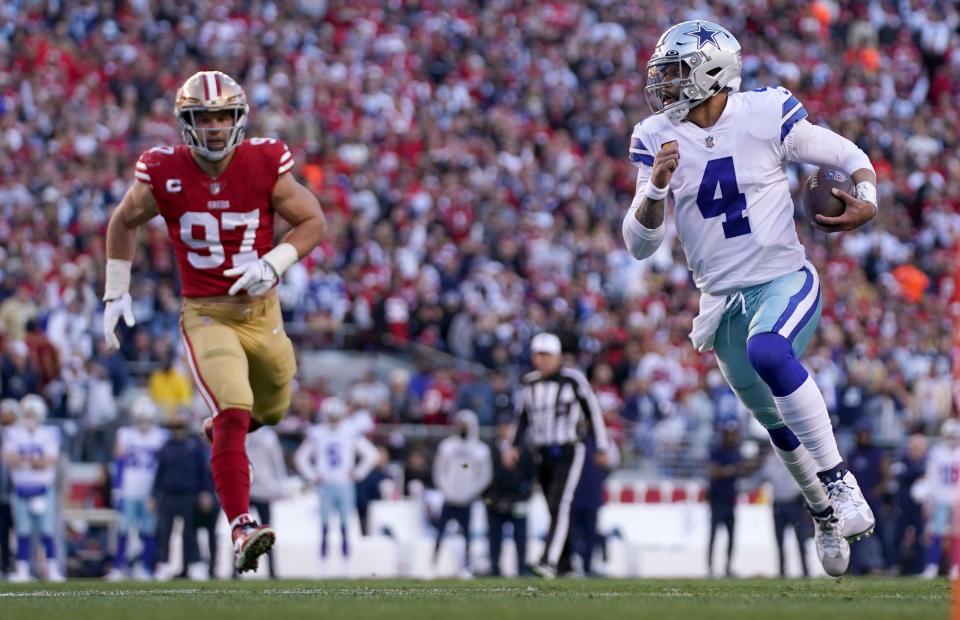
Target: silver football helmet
[[693, 61], [333, 409], [211, 91], [143, 410]]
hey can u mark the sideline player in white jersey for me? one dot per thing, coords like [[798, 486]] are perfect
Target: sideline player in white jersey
[[941, 486], [327, 458], [31, 451], [721, 155], [136, 465]]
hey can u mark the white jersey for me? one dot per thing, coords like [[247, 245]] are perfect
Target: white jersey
[[943, 474], [138, 450], [43, 441], [330, 453], [734, 212]]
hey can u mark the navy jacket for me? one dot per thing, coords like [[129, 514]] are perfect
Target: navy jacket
[[183, 468]]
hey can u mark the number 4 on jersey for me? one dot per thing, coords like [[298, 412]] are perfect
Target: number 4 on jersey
[[720, 175]]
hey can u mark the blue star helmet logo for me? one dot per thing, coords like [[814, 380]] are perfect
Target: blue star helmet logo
[[704, 36]]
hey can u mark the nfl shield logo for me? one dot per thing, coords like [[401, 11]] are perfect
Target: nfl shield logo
[[709, 142], [214, 188]]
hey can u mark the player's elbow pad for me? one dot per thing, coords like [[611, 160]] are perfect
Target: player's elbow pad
[[641, 241]]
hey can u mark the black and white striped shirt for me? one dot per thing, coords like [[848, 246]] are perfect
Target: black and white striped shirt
[[559, 410]]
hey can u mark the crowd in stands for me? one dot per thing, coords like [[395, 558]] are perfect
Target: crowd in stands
[[471, 159]]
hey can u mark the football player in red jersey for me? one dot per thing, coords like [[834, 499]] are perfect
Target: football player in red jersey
[[218, 195]]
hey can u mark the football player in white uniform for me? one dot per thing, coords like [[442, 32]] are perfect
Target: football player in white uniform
[[941, 483], [31, 451], [136, 465], [327, 458], [721, 155]]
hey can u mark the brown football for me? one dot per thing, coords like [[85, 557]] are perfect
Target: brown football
[[818, 196]]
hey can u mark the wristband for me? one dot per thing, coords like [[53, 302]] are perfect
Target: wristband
[[281, 257], [118, 278], [656, 193], [867, 192]]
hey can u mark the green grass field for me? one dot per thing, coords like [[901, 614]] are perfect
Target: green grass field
[[848, 599]]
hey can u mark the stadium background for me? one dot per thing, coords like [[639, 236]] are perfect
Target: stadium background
[[471, 160]]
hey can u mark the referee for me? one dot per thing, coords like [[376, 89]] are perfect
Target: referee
[[559, 409]]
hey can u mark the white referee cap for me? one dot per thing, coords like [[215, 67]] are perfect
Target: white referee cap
[[545, 343]]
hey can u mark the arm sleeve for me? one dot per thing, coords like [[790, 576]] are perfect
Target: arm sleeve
[[812, 144], [591, 409], [641, 241]]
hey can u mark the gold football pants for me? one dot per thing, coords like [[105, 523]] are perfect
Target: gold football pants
[[240, 356]]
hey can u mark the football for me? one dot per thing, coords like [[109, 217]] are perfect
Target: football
[[818, 192]]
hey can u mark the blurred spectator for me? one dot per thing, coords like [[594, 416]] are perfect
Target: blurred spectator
[[9, 412], [170, 388], [135, 467], [44, 357], [373, 487], [182, 484], [403, 407], [789, 510], [266, 459], [416, 472], [908, 534], [334, 456], [462, 470], [31, 451], [872, 467], [941, 490], [16, 311], [507, 498], [587, 501], [476, 395], [97, 413], [725, 469], [18, 377], [370, 394]]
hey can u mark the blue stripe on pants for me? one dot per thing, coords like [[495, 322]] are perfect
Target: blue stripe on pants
[[795, 301]]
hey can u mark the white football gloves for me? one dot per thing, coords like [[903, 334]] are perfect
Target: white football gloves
[[117, 298], [258, 276], [255, 277]]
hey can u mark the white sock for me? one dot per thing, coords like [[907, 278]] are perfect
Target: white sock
[[805, 412], [801, 466]]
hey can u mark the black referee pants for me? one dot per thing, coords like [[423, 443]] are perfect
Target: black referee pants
[[559, 472]]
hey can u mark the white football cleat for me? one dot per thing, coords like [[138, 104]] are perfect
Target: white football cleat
[[544, 570], [833, 550], [54, 575], [141, 574], [116, 574], [21, 574], [164, 572], [856, 517], [198, 571]]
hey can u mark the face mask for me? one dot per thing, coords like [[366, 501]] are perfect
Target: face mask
[[464, 432]]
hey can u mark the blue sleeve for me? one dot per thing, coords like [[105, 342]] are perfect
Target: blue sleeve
[[639, 153], [791, 112]]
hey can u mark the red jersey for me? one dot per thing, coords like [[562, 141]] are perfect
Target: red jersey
[[217, 223]]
